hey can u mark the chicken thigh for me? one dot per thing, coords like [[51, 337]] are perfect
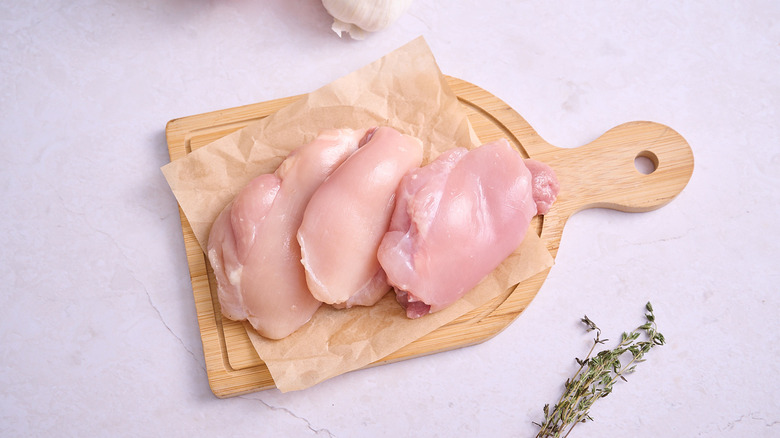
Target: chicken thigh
[[544, 185], [347, 217], [456, 220], [252, 245]]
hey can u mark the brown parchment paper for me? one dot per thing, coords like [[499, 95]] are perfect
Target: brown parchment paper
[[404, 89]]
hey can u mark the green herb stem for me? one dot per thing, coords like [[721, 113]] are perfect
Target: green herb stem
[[597, 375]]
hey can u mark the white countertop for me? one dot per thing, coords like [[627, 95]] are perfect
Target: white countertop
[[98, 325]]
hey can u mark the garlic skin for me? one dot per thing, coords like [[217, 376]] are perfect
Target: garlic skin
[[358, 17]]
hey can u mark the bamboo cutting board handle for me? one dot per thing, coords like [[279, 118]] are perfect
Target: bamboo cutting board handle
[[603, 173]]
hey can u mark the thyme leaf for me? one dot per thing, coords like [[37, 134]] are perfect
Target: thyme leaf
[[597, 376]]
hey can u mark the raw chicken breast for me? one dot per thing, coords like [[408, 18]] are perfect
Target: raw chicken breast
[[544, 185], [456, 220], [347, 217], [252, 245]]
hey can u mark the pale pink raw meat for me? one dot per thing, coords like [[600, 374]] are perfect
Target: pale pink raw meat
[[347, 217], [456, 220], [544, 184], [252, 245]]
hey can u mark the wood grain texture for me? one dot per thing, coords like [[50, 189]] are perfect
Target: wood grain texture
[[599, 174]]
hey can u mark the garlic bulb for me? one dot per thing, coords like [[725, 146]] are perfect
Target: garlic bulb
[[357, 17]]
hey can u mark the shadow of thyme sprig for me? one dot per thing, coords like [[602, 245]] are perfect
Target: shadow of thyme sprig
[[597, 375]]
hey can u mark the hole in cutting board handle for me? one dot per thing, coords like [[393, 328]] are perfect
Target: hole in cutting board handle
[[646, 162]]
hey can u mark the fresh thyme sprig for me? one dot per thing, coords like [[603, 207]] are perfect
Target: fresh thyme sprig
[[597, 375]]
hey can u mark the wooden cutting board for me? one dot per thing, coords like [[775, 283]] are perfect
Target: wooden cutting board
[[599, 174]]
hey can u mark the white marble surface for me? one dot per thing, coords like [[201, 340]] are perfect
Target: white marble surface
[[97, 320]]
